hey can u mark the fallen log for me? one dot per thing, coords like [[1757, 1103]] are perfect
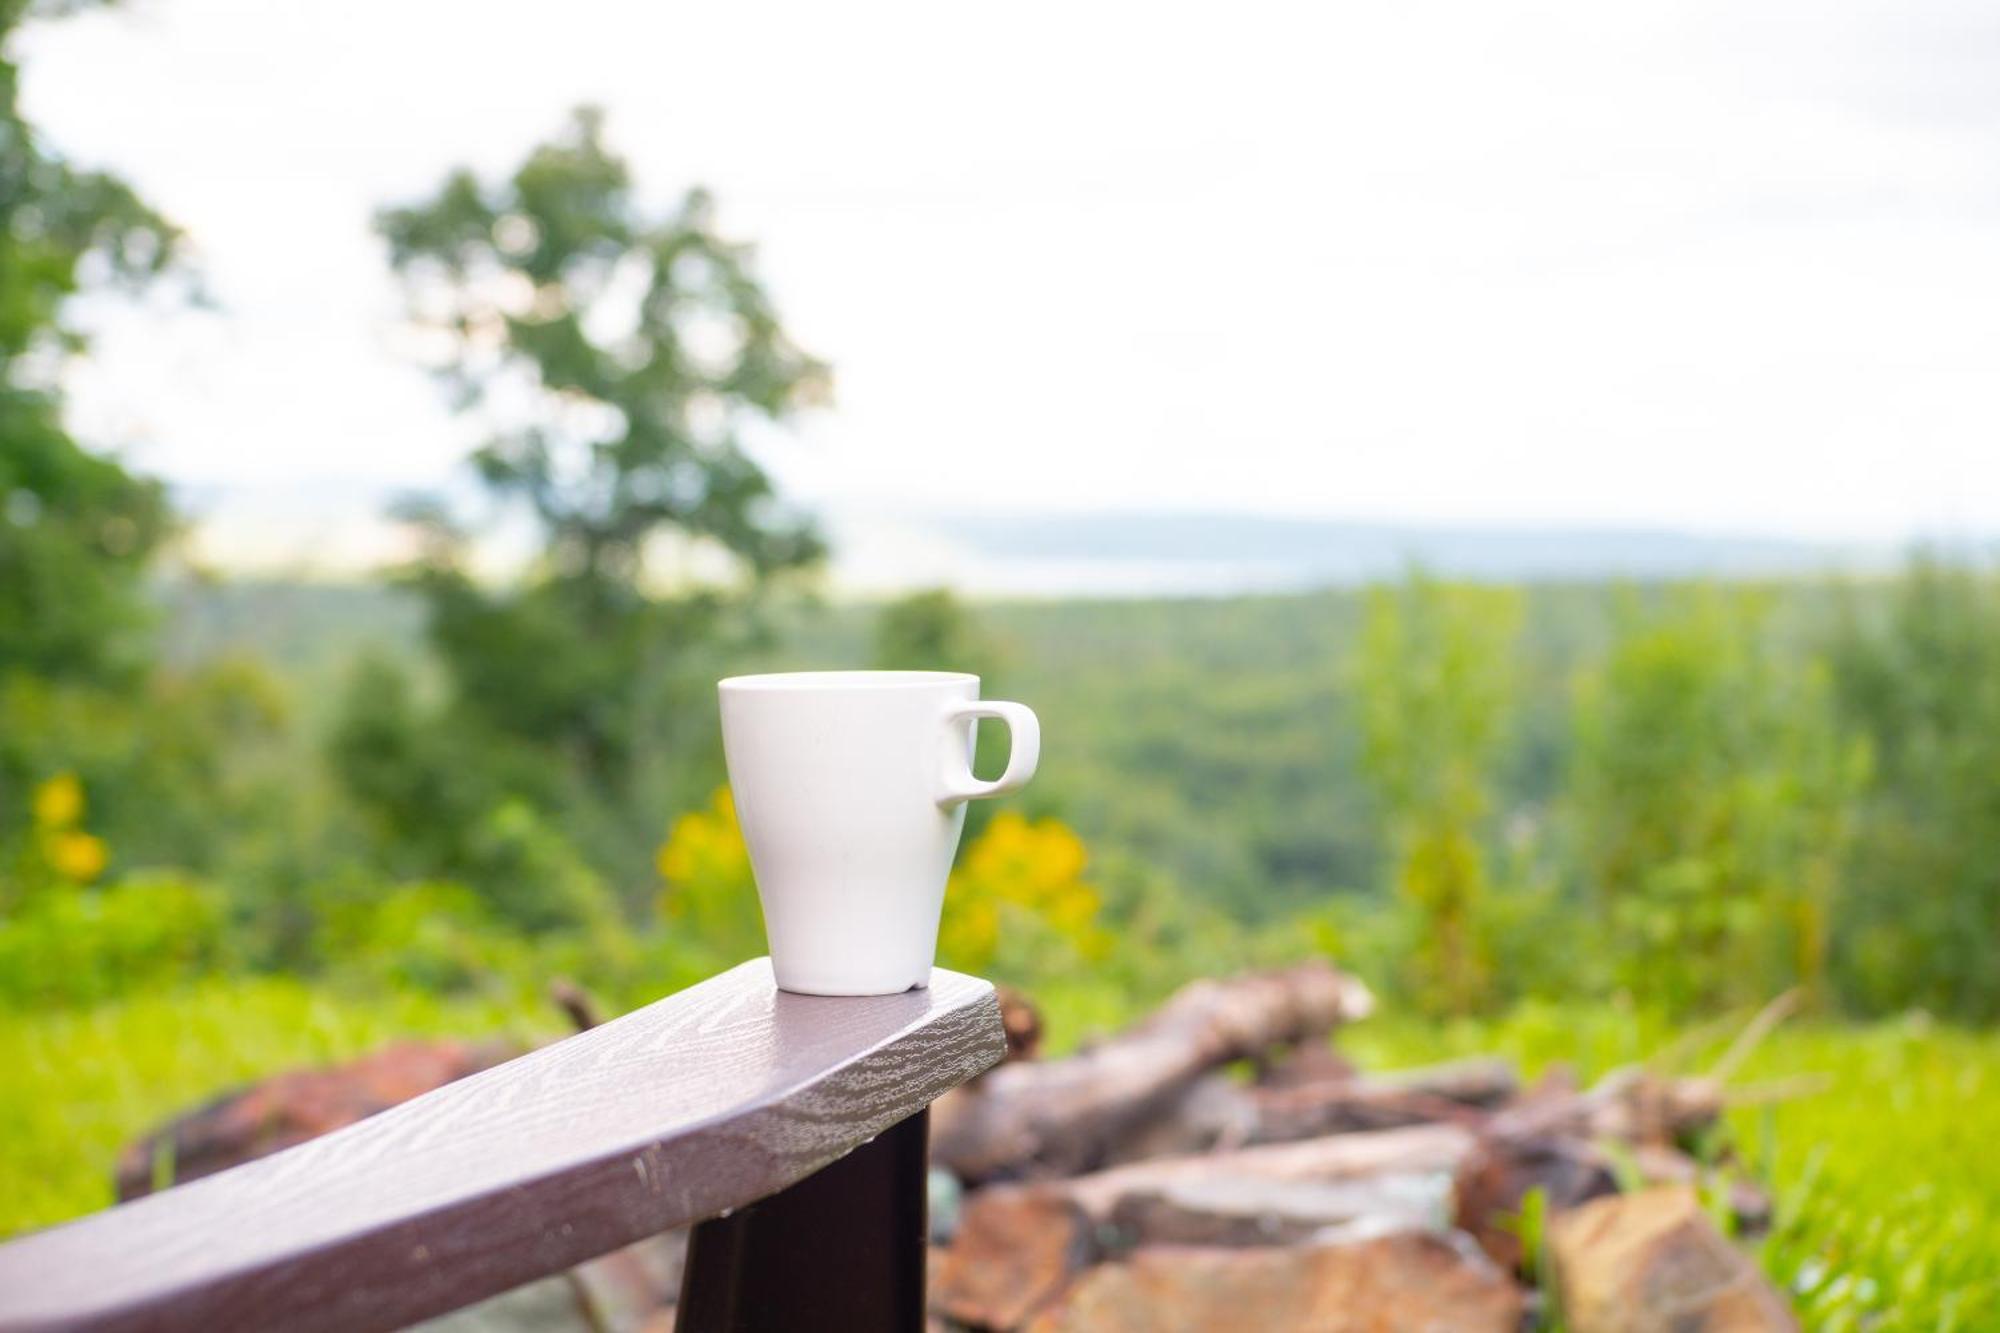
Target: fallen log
[[1217, 1113], [1236, 1210], [1057, 1117], [1302, 1063], [1482, 1081], [1632, 1105], [1417, 1150]]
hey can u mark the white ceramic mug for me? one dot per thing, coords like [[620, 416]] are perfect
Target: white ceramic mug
[[851, 789]]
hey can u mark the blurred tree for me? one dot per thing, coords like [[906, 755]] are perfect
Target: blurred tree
[[932, 631], [1019, 905], [1434, 675], [1710, 802], [616, 361], [76, 529], [1917, 668], [80, 703]]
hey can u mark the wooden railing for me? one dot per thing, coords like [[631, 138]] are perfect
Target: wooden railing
[[729, 1098]]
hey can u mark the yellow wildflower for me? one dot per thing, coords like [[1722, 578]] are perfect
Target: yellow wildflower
[[59, 802], [80, 857], [1026, 872], [710, 893]]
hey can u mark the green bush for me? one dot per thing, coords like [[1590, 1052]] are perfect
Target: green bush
[[432, 936], [79, 946]]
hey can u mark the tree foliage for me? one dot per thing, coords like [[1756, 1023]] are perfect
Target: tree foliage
[[617, 358], [1710, 802], [1917, 670], [76, 528], [618, 362], [1435, 685], [152, 754]]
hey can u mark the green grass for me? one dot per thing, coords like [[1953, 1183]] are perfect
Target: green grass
[[1888, 1191], [1886, 1183], [80, 1084]]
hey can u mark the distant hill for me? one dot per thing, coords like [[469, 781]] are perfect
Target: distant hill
[[1284, 552]]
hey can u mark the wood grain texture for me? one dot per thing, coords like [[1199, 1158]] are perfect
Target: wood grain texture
[[701, 1102]]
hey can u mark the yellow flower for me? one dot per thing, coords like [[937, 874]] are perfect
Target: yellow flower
[[710, 893], [80, 857], [704, 845], [59, 802], [1021, 880]]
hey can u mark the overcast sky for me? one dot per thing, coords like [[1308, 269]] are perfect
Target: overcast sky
[[1714, 266]]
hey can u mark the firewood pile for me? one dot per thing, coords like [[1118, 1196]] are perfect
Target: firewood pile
[[1218, 1166]]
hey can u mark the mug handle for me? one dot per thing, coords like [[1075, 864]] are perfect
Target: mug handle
[[958, 782]]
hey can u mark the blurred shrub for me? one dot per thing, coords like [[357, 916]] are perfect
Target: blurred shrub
[[419, 786], [1018, 903], [1434, 673], [1916, 670], [1710, 801], [535, 878], [710, 898], [434, 936], [179, 769], [70, 945]]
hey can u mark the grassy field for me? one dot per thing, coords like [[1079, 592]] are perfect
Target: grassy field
[[1889, 1197], [80, 1084]]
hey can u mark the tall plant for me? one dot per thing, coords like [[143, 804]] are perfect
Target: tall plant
[[1917, 669], [1710, 800], [1435, 682]]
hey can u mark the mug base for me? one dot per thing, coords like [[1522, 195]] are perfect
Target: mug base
[[797, 986]]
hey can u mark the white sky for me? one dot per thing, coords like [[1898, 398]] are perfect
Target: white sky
[[1717, 266]]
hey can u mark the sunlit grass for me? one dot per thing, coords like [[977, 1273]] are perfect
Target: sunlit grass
[[76, 1085]]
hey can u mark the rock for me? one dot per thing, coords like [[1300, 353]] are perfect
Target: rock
[[290, 1108], [1406, 1281], [1016, 1247], [1494, 1181], [1652, 1262]]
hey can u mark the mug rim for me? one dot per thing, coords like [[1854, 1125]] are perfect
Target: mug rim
[[773, 681]]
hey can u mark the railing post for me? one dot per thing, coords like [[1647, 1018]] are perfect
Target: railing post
[[841, 1249]]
